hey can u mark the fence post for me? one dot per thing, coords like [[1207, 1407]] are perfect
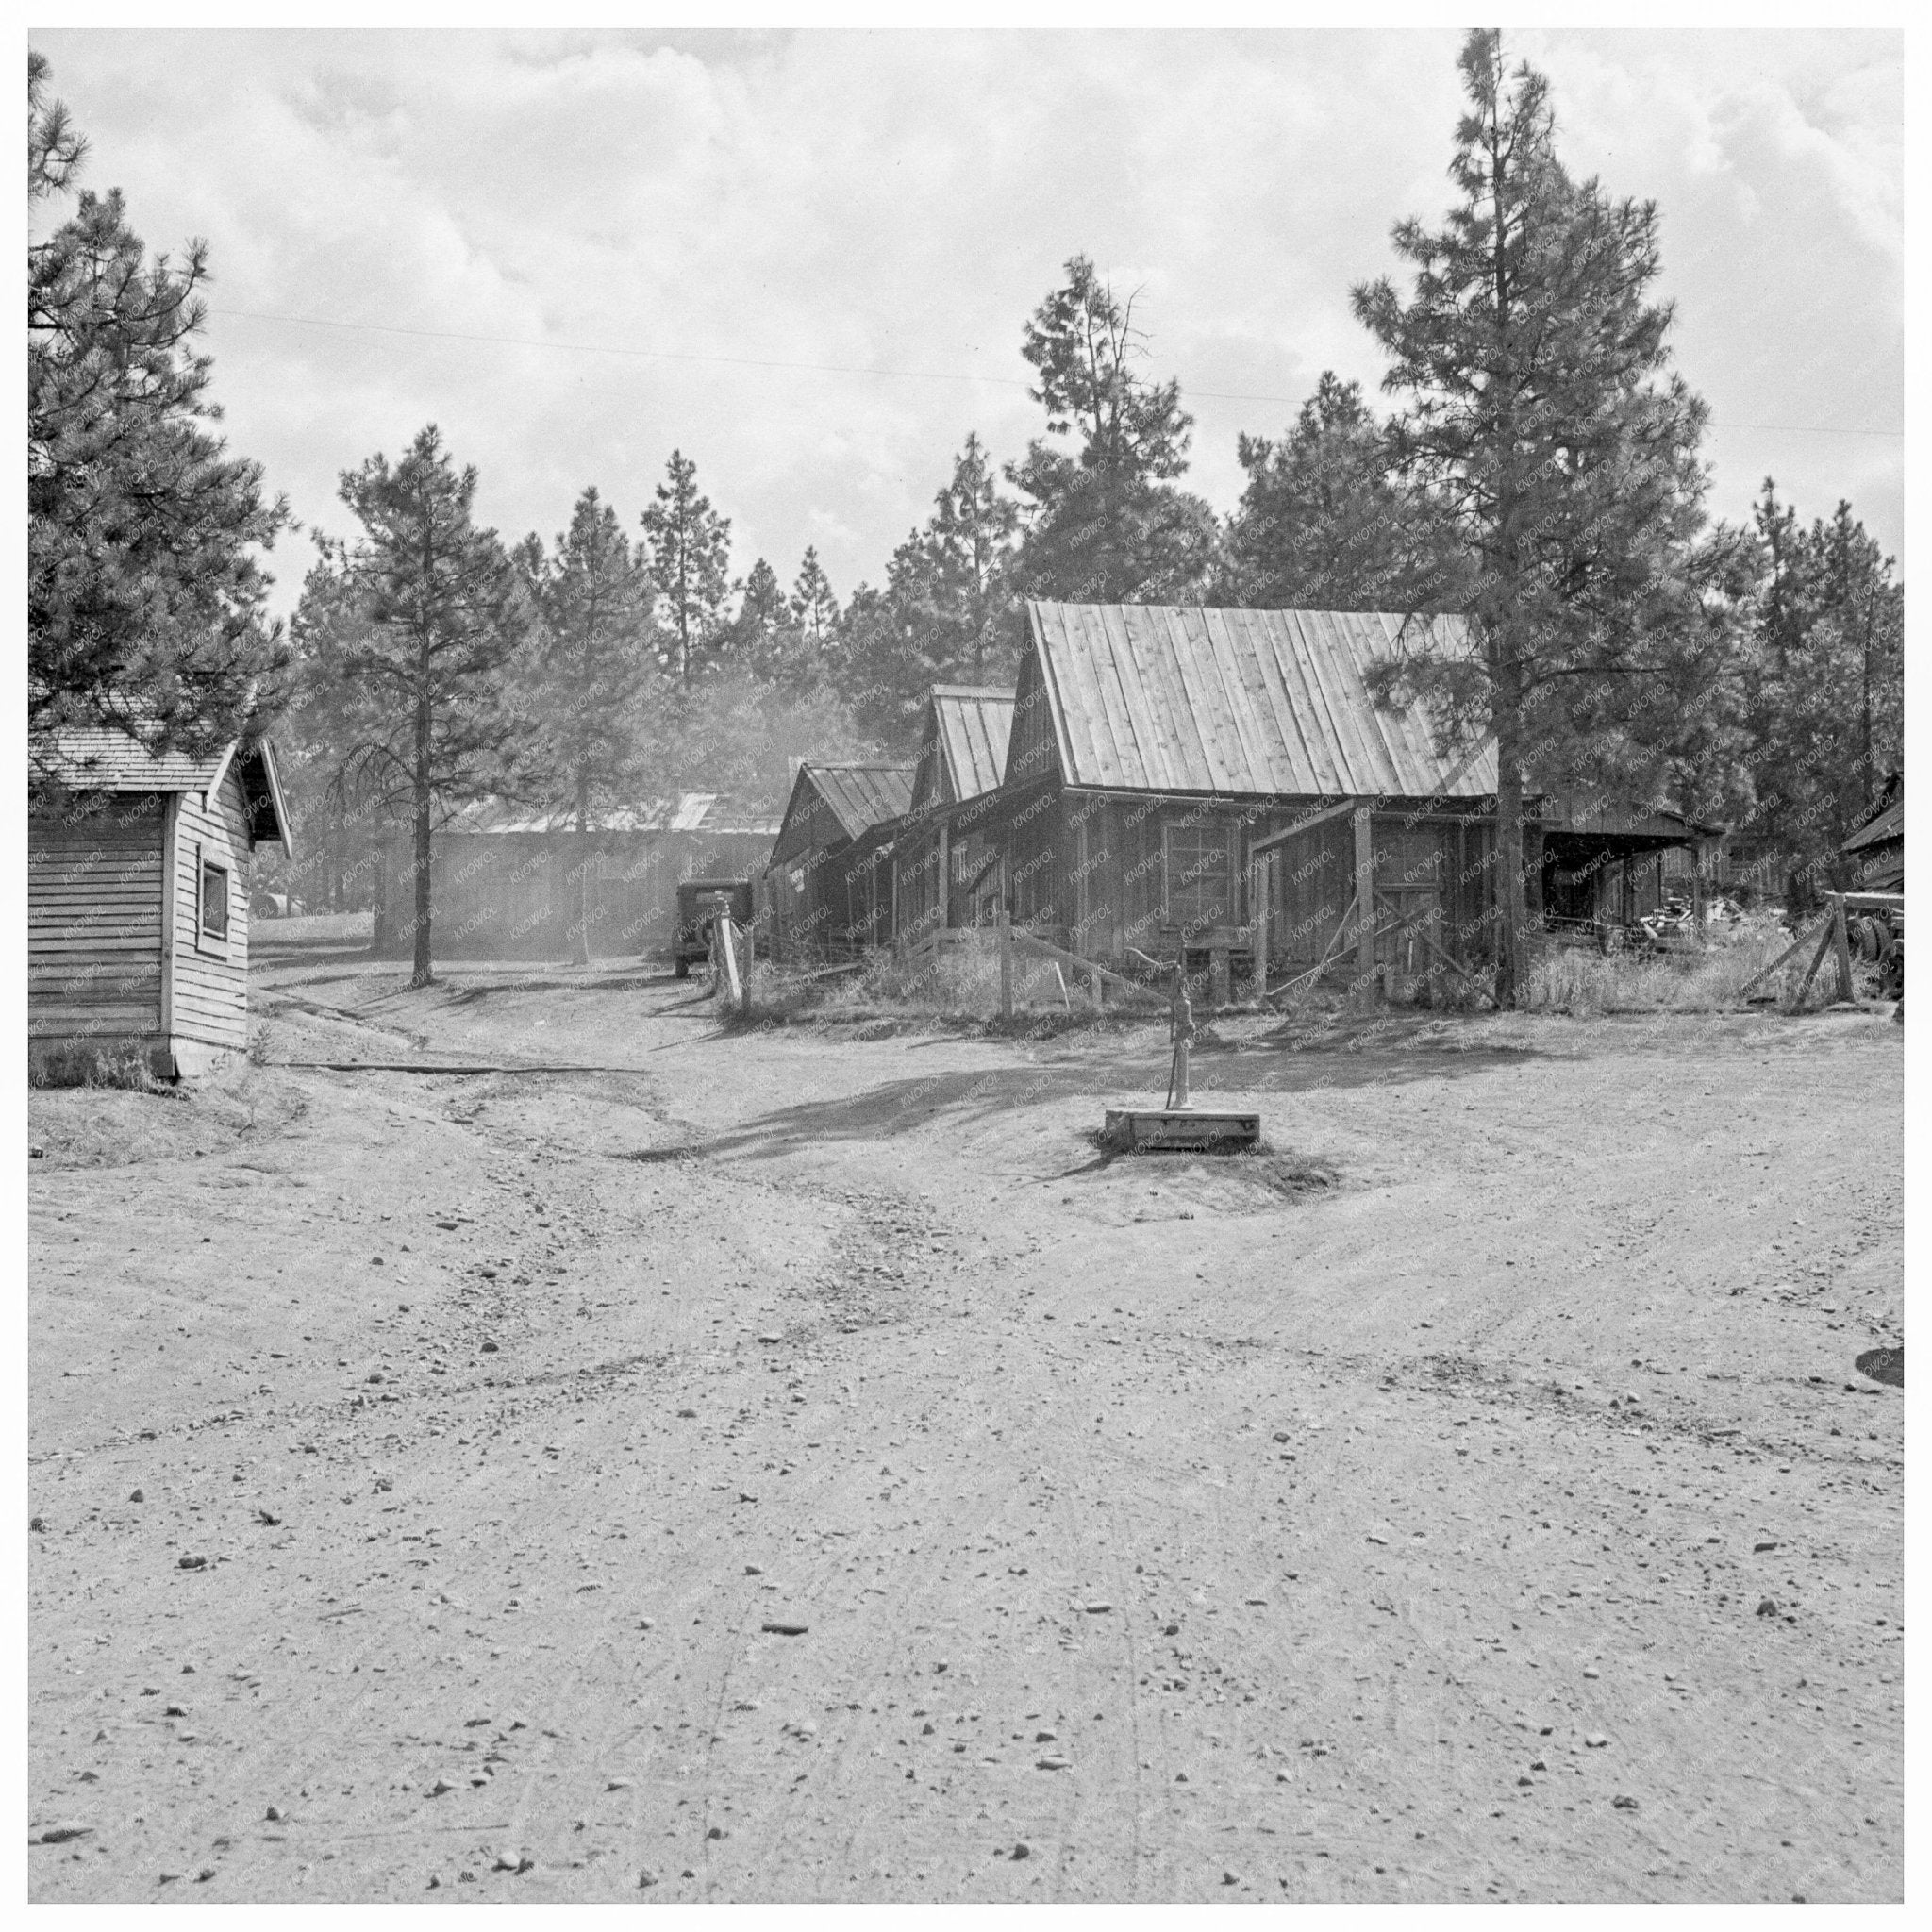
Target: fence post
[[1840, 942], [1006, 932]]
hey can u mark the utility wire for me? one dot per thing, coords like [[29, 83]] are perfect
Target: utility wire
[[447, 335]]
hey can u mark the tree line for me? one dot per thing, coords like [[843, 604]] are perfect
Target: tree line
[[1539, 468]]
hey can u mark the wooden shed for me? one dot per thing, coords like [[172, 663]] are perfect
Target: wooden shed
[[1174, 772], [828, 887], [504, 880], [138, 895], [1878, 848], [962, 758], [1597, 864]]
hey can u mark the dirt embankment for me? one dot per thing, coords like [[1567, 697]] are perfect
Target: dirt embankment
[[785, 1467]]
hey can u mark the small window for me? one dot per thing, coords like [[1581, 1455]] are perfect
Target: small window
[[214, 901]]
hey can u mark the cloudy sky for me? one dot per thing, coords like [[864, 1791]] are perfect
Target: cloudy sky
[[804, 259]]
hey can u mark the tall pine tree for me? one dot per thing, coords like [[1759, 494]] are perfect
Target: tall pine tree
[[1542, 416], [145, 593], [434, 614], [1107, 524], [587, 676], [687, 554]]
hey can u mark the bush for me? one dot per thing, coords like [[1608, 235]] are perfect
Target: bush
[[117, 1064]]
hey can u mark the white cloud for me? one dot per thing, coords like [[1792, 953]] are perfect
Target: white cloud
[[901, 202]]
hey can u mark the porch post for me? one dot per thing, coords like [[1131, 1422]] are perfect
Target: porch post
[[1364, 904]]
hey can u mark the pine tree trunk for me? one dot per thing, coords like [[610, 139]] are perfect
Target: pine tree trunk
[[580, 953], [420, 972], [1510, 910]]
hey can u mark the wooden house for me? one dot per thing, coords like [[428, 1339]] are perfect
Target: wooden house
[[829, 888], [138, 899], [946, 865], [504, 881], [1878, 848], [1174, 774]]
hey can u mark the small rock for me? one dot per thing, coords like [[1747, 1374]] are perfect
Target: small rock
[[268, 1519], [375, 1260], [441, 1788], [192, 1564], [489, 1348], [1538, 1764], [1623, 1804], [510, 1859], [687, 1415], [1098, 1609], [771, 1338], [716, 1831], [37, 1523], [1760, 1549], [1590, 1671], [753, 1569], [373, 1375], [435, 1882], [1054, 1763], [1768, 1608], [176, 1710], [169, 1877], [618, 1784], [273, 1814], [1526, 1779], [1230, 1878], [1021, 1851], [1046, 1736], [139, 1496], [1595, 1741], [202, 1876], [775, 1628], [59, 1834], [646, 1878]]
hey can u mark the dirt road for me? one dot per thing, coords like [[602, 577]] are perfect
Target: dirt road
[[800, 1467]]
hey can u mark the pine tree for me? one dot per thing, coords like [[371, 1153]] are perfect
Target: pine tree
[[433, 614], [145, 597], [688, 550], [765, 640], [1107, 525], [815, 606], [1325, 522], [970, 541], [1826, 685], [587, 675], [1542, 418]]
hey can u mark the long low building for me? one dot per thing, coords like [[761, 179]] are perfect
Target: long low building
[[504, 883]]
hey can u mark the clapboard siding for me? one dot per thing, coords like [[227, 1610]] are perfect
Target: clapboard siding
[[94, 919], [209, 993]]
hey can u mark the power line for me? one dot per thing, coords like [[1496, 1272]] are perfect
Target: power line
[[446, 335]]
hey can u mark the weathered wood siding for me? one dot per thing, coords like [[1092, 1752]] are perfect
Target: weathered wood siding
[[514, 895], [94, 903], [209, 993]]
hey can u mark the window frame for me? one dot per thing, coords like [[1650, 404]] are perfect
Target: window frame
[[1223, 831], [206, 938]]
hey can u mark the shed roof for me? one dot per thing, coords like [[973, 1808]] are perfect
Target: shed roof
[[102, 758], [1187, 699], [863, 796], [972, 725], [837, 804], [1887, 822]]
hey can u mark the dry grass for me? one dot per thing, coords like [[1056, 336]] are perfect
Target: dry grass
[[1587, 984], [961, 983]]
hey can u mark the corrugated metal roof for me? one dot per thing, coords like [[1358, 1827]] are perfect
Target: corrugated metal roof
[[1186, 699], [973, 725], [691, 811], [863, 796]]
